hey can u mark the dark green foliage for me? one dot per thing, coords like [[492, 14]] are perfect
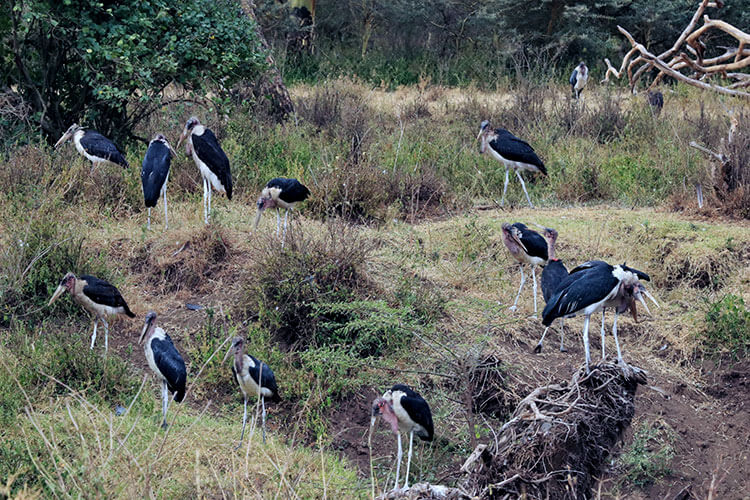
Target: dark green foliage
[[363, 327], [728, 327], [288, 283], [80, 61]]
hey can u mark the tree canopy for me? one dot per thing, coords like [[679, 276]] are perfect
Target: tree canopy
[[111, 64]]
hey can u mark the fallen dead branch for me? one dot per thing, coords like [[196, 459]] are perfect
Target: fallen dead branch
[[558, 438], [639, 60]]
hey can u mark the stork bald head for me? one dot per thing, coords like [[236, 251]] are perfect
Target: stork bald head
[[148, 325], [382, 407], [161, 138], [192, 122], [237, 346], [67, 284], [68, 134]]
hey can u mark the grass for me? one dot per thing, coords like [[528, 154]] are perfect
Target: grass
[[409, 283], [647, 457]]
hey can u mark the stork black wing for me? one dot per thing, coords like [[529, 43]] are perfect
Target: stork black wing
[[292, 190], [96, 144], [209, 151], [171, 365], [267, 378], [553, 276], [102, 292], [590, 264], [154, 171], [512, 148], [418, 410], [592, 286], [574, 77], [535, 244]]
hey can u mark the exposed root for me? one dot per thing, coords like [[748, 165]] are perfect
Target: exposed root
[[559, 437]]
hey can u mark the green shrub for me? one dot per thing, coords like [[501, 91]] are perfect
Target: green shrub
[[363, 327], [647, 458], [728, 327]]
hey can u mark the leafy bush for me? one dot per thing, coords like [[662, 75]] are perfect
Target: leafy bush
[[312, 268], [99, 55], [363, 327], [728, 327], [647, 458]]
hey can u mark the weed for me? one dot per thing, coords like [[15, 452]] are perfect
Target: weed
[[728, 327], [647, 458]]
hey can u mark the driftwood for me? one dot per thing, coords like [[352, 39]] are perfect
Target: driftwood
[[639, 60]]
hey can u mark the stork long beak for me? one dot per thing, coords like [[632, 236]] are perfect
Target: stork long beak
[[146, 327], [62, 139], [182, 138], [172, 151], [642, 301], [372, 420], [60, 290], [257, 217], [634, 310], [651, 297], [229, 351]]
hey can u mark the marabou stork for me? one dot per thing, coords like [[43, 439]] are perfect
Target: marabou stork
[[97, 297], [155, 173], [511, 152], [656, 101], [280, 193], [406, 411], [600, 285], [255, 379], [94, 146], [578, 79], [165, 361], [210, 159], [553, 274], [527, 247]]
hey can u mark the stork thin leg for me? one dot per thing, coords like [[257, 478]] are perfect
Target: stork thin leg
[[586, 342], [562, 335], [505, 186], [523, 185], [263, 428], [617, 342], [244, 421], [603, 355], [93, 335], [148, 224], [515, 302], [408, 460], [278, 223], [533, 276], [205, 201], [538, 347], [164, 403], [283, 236], [210, 192], [166, 217], [398, 460], [106, 335]]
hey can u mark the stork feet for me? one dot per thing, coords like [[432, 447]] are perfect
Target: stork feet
[[512, 308], [164, 425], [538, 348], [562, 349]]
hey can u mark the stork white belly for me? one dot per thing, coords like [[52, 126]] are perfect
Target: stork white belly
[[99, 310], [158, 334], [516, 165], [206, 172], [405, 423], [246, 382]]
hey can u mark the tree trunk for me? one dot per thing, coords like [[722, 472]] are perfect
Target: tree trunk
[[270, 84]]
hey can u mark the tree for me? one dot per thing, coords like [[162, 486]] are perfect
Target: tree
[[111, 64]]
